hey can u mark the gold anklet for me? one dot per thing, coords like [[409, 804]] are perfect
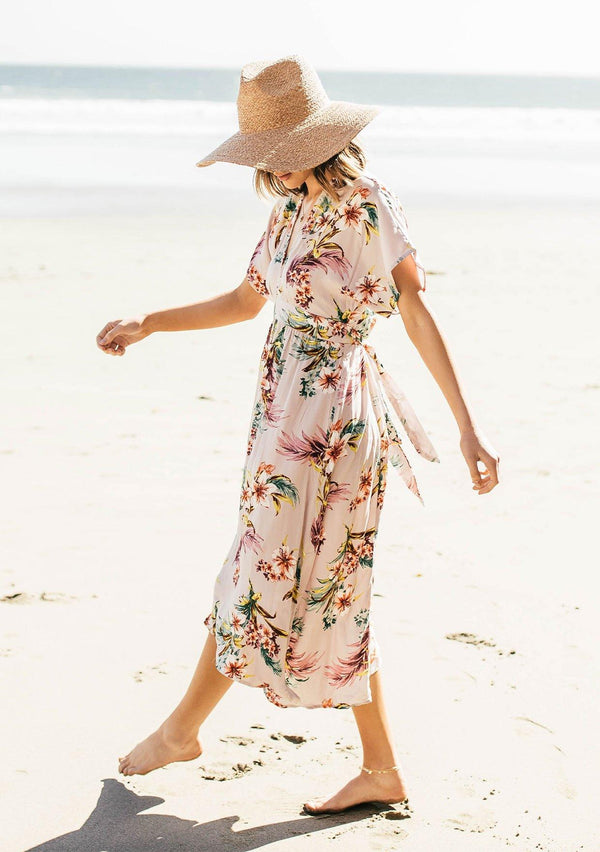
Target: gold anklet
[[371, 771]]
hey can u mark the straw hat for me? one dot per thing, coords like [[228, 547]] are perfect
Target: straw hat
[[287, 122]]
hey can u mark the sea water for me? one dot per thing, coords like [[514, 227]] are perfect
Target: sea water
[[483, 138]]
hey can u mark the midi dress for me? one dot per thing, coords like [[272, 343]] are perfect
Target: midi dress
[[291, 609]]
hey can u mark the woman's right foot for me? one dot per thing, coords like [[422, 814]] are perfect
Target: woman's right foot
[[160, 748]]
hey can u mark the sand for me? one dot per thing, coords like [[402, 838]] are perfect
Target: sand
[[120, 480]]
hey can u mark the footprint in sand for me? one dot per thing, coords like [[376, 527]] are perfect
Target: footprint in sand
[[27, 598], [470, 639], [477, 821], [150, 671], [349, 747], [226, 773], [225, 769], [296, 739], [260, 750], [473, 639], [240, 741]]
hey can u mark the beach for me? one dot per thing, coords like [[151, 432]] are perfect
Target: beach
[[121, 480]]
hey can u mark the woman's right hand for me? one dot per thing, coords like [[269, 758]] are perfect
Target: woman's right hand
[[117, 335]]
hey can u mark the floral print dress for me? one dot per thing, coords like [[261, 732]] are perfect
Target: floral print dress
[[292, 601]]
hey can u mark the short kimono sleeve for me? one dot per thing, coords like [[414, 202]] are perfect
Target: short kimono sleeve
[[386, 243], [256, 272]]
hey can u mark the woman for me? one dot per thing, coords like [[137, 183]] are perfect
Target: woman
[[291, 605]]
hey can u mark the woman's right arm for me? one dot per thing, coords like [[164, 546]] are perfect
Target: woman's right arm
[[236, 305]]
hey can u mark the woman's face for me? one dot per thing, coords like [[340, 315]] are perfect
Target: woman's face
[[293, 180]]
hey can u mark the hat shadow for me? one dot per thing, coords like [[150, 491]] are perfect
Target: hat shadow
[[116, 823]]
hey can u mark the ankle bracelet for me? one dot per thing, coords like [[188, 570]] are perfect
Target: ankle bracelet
[[372, 771]]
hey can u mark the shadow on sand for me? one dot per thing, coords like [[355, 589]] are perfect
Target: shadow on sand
[[117, 825]]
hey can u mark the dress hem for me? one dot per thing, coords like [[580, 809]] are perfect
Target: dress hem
[[373, 668]]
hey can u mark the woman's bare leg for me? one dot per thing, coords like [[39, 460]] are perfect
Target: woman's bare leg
[[378, 753], [177, 736]]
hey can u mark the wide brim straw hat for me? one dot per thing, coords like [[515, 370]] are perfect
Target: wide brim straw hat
[[286, 120]]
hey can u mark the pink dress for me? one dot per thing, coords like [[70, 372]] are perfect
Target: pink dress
[[292, 601]]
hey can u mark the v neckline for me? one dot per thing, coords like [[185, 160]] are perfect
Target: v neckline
[[294, 219]]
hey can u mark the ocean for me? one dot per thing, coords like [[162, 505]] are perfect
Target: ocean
[[445, 136]]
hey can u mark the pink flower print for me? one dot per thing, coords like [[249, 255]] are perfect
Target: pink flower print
[[235, 668], [261, 487], [335, 450], [236, 622], [303, 295], [256, 280], [338, 327], [329, 379], [352, 213], [323, 218], [351, 561], [264, 467], [365, 551], [302, 276], [284, 562], [266, 568], [300, 665], [252, 635], [367, 289], [344, 600], [273, 697], [355, 664], [260, 490], [364, 487]]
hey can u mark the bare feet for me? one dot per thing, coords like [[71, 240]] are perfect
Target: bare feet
[[162, 747], [386, 788]]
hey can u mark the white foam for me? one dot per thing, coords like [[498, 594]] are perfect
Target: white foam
[[208, 118]]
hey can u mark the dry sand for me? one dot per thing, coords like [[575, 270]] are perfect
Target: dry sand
[[120, 479]]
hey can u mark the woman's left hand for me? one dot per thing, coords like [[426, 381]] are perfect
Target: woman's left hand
[[475, 448]]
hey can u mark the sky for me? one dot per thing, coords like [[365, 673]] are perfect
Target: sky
[[454, 36]]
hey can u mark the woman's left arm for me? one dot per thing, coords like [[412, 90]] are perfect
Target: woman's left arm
[[423, 331]]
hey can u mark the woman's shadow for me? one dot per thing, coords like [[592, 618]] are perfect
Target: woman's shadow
[[116, 824]]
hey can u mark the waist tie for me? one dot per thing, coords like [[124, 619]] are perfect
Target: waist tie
[[343, 332], [410, 423]]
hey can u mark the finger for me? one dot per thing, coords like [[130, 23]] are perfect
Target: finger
[[111, 347], [103, 331], [493, 471], [101, 334], [488, 486], [112, 330], [109, 337], [474, 471]]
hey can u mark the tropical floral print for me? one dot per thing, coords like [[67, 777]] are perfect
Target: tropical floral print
[[292, 602]]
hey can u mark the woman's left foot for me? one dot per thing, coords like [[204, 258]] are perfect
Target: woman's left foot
[[386, 789]]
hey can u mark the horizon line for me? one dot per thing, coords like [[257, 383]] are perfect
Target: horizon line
[[237, 69]]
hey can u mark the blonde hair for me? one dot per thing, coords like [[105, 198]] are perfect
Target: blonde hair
[[332, 175]]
